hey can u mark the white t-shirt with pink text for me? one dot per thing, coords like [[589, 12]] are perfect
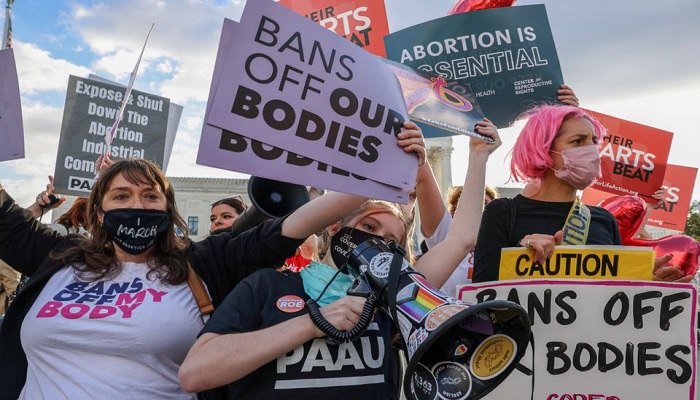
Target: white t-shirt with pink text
[[125, 337]]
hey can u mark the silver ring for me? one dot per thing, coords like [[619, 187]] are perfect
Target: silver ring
[[527, 243]]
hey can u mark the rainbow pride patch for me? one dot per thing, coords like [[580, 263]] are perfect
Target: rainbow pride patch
[[416, 301]]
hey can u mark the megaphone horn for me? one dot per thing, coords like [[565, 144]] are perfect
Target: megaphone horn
[[456, 350], [269, 199]]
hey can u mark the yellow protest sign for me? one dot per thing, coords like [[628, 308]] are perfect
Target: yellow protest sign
[[579, 262]]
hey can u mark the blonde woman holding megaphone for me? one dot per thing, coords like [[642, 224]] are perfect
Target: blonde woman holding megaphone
[[262, 343]]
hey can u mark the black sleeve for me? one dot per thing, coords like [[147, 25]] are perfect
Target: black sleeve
[[493, 236], [614, 228], [237, 313], [223, 260], [24, 242]]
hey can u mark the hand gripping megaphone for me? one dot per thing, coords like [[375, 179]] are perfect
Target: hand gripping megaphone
[[456, 350], [269, 199]]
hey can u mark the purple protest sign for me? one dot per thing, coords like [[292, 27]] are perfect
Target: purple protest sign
[[258, 159], [292, 84], [11, 128]]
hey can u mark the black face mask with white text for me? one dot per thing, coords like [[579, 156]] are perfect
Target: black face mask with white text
[[135, 230], [345, 241]]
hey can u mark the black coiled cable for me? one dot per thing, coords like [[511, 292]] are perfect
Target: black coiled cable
[[334, 333]]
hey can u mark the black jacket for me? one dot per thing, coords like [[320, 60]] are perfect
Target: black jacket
[[220, 260]]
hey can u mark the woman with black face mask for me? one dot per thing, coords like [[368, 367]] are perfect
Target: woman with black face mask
[[111, 315]]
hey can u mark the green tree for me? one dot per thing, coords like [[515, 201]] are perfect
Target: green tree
[[692, 225]]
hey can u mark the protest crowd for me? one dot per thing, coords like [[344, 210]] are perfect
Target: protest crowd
[[113, 299]]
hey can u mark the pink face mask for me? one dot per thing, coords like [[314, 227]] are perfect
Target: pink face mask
[[581, 166]]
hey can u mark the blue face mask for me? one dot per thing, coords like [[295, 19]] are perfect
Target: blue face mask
[[316, 278]]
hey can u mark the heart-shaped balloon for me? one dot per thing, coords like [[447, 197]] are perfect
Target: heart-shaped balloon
[[685, 250], [629, 212], [472, 5]]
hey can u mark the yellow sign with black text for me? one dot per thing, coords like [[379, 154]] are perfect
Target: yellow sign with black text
[[579, 262]]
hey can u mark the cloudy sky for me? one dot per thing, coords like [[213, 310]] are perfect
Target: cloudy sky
[[635, 60]]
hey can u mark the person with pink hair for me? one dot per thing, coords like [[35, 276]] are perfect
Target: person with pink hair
[[556, 154]]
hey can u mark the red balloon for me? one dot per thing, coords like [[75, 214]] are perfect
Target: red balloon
[[685, 250], [629, 212], [474, 5]]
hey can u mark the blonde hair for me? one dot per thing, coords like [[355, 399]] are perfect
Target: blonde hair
[[452, 198], [455, 192], [491, 192]]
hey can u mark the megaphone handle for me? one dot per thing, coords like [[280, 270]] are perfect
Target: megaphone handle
[[336, 334]]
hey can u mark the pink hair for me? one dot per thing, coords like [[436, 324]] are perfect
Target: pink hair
[[530, 156]]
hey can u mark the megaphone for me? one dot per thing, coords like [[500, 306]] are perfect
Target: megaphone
[[269, 199], [456, 350]]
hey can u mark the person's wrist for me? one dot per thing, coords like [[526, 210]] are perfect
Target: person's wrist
[[479, 155]]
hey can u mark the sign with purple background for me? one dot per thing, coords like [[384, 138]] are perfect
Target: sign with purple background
[[11, 128], [258, 159], [290, 83]]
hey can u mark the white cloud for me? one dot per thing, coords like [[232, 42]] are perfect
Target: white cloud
[[186, 35], [39, 72], [165, 67]]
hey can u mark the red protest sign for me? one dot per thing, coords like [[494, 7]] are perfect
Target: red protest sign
[[672, 211], [633, 157], [363, 22]]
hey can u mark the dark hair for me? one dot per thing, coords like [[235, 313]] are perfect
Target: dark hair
[[235, 202], [167, 262], [76, 216]]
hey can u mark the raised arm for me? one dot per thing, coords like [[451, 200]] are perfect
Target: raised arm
[[43, 201], [24, 241], [319, 213], [431, 208], [438, 264]]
